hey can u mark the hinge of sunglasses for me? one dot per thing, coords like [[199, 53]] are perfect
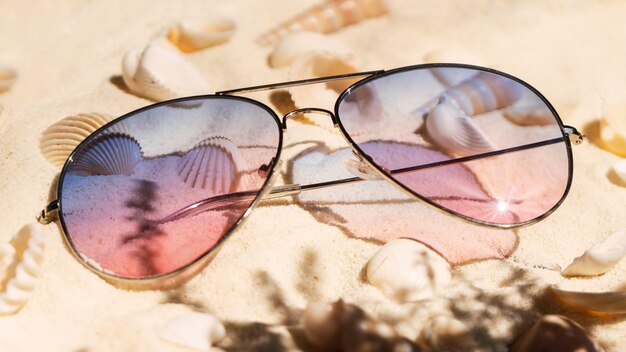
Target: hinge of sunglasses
[[574, 135], [49, 213]]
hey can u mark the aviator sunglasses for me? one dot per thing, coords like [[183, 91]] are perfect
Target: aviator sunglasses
[[152, 195]]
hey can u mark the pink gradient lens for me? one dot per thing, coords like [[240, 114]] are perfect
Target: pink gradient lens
[[473, 142], [158, 189]]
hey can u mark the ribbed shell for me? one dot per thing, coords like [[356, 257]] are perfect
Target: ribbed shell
[[213, 164], [113, 154]]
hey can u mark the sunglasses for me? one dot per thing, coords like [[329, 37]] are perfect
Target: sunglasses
[[151, 196]]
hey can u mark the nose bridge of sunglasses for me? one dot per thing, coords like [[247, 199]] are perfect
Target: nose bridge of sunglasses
[[360, 168], [301, 111]]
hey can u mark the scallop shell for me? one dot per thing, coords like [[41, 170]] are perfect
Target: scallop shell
[[297, 44], [60, 139], [194, 330], [408, 271], [319, 64], [191, 36], [613, 130], [452, 130], [594, 302], [482, 93], [600, 258], [548, 334], [445, 333], [327, 17], [619, 168], [160, 73], [112, 154], [530, 115], [213, 164], [21, 286], [7, 78]]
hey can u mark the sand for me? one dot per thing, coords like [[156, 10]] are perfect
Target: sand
[[68, 58]]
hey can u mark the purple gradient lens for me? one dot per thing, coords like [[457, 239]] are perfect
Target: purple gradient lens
[[157, 190], [515, 164]]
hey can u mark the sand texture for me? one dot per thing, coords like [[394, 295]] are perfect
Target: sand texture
[[313, 246]]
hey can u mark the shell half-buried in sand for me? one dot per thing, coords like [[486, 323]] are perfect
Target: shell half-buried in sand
[[195, 330], [613, 130], [327, 17], [196, 35], [600, 258], [212, 164], [297, 44], [7, 78], [112, 154]]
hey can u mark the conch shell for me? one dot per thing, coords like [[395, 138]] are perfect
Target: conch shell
[[111, 154], [600, 258], [194, 330], [7, 78], [294, 45], [445, 333], [451, 129], [594, 302], [327, 17], [191, 36], [319, 64], [555, 333], [29, 250], [160, 73], [536, 114], [613, 131]]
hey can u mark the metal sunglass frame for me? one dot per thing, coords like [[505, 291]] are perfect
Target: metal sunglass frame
[[373, 171]]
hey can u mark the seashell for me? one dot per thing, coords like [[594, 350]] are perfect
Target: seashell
[[530, 115], [346, 327], [112, 154], [191, 36], [212, 164], [7, 78], [327, 17], [408, 271], [21, 286], [600, 258], [449, 77], [160, 73], [555, 333], [613, 130], [60, 139], [452, 130], [445, 333], [482, 93], [619, 168], [297, 44], [320, 64], [613, 302], [194, 330], [7, 256]]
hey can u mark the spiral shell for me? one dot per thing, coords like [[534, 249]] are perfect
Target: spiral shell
[[600, 258], [111, 154], [194, 330], [297, 44], [7, 78], [160, 73], [530, 115], [191, 36], [213, 164], [21, 286], [327, 17], [452, 130], [60, 139]]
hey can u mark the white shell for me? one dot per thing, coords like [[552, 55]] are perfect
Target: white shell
[[160, 73], [213, 164], [26, 275], [594, 302], [191, 35], [111, 154], [445, 333], [7, 78], [320, 64], [452, 77], [408, 271], [194, 330], [530, 115], [7, 256], [548, 333], [297, 44], [600, 258], [613, 130], [60, 139], [452, 130], [326, 17], [620, 170]]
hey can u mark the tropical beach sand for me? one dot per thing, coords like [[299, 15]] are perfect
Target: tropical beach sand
[[291, 251]]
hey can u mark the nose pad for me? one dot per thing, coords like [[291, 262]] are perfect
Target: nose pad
[[360, 168], [266, 167]]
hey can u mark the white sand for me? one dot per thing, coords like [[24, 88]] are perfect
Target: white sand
[[283, 256]]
